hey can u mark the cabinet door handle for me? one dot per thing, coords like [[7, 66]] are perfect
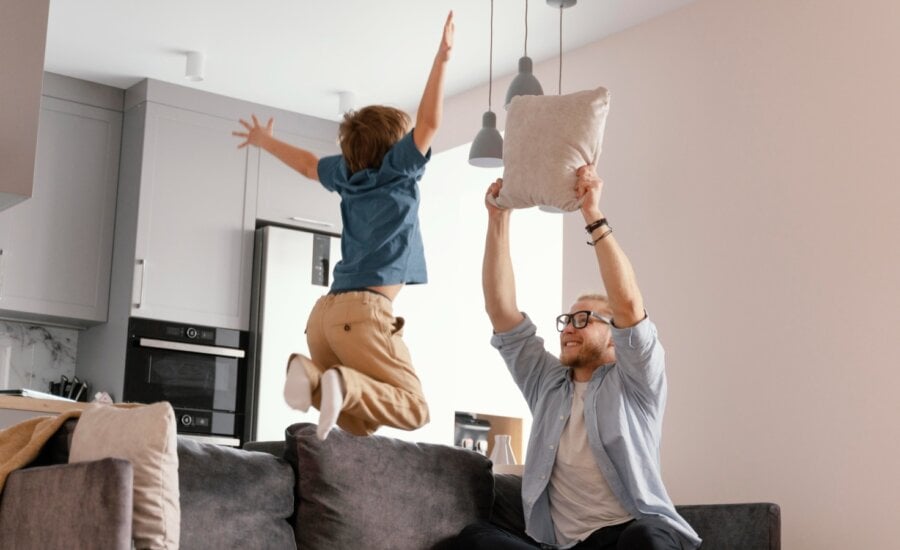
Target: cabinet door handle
[[1, 274], [314, 222], [137, 289]]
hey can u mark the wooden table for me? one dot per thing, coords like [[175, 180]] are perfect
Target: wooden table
[[15, 409]]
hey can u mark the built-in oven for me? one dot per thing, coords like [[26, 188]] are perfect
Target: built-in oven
[[201, 371]]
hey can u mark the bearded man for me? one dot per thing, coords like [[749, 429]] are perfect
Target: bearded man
[[592, 479]]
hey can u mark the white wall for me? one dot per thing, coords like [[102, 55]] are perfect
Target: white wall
[[447, 330], [751, 165]]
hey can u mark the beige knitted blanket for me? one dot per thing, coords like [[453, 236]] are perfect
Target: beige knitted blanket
[[20, 444]]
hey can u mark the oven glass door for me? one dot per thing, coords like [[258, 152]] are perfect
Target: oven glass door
[[193, 381], [189, 376]]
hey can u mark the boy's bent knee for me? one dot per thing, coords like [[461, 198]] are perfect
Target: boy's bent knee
[[417, 415]]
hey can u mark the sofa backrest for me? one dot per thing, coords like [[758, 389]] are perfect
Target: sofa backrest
[[747, 526], [83, 505], [382, 493], [232, 498]]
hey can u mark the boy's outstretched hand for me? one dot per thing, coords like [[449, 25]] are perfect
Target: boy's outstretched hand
[[447, 39], [256, 133]]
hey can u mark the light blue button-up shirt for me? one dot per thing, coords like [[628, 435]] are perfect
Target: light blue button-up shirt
[[623, 411]]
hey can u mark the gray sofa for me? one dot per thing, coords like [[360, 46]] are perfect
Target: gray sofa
[[348, 492]]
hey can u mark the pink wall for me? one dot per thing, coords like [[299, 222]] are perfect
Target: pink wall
[[752, 161]]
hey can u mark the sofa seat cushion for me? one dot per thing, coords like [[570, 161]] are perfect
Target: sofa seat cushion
[[377, 492], [234, 499]]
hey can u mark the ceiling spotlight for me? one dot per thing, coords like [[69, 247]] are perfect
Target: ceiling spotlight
[[194, 68], [346, 102]]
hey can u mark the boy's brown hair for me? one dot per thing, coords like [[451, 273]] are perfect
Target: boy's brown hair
[[368, 134]]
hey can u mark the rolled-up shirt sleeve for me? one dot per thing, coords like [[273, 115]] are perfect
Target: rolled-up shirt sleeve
[[330, 169], [640, 354], [527, 359], [405, 158]]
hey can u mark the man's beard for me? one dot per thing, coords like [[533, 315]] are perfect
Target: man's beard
[[588, 356]]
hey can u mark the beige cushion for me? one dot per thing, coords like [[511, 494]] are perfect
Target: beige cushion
[[547, 139], [146, 437]]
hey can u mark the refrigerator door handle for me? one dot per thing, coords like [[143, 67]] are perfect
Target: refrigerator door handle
[[311, 221], [137, 288]]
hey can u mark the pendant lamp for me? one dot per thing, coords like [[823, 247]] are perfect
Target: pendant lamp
[[487, 149], [561, 4], [525, 83]]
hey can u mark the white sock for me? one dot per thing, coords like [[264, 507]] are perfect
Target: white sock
[[332, 388], [297, 388]]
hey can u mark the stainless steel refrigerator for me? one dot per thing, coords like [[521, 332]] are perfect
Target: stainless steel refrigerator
[[291, 270]]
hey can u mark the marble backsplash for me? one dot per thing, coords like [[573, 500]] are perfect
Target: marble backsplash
[[31, 356]]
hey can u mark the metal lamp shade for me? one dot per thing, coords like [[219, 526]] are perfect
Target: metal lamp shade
[[561, 3], [487, 149], [525, 83]]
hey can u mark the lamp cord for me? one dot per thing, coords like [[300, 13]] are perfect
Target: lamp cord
[[559, 84], [491, 58]]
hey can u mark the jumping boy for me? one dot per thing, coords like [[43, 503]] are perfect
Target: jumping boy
[[360, 374]]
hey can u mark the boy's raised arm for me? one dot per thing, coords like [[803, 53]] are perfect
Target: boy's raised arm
[[428, 117], [261, 136]]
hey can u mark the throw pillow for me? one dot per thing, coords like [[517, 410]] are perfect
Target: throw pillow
[[381, 493], [146, 437], [547, 139]]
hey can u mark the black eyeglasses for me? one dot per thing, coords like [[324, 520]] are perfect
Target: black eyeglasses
[[579, 319]]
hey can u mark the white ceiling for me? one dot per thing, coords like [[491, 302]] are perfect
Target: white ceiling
[[298, 54]]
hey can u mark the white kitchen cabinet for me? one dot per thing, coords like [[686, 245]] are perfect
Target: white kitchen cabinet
[[287, 197], [186, 214], [196, 215], [57, 246]]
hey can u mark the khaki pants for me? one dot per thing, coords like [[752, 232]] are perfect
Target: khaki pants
[[357, 333]]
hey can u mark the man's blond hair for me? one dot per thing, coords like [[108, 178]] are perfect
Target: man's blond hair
[[596, 297]]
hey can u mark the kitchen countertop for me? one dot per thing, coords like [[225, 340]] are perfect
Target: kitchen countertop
[[51, 406]]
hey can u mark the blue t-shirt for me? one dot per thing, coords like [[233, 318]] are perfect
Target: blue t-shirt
[[381, 243]]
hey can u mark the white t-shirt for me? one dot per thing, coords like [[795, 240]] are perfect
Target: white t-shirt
[[580, 499]]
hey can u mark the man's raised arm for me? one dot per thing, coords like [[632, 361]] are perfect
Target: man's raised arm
[[497, 279], [625, 298]]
